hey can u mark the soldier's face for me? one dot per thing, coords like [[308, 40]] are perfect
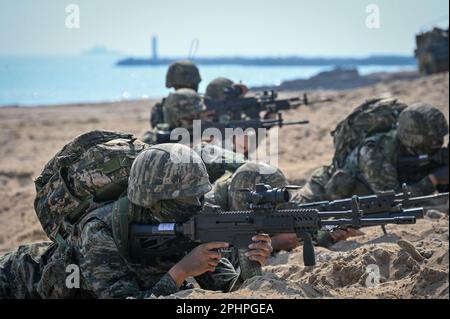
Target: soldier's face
[[181, 209]]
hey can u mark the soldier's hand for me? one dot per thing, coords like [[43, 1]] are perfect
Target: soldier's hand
[[440, 176], [201, 259], [261, 249], [270, 115], [343, 234], [284, 242]]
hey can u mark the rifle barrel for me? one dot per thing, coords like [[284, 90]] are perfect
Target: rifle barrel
[[400, 220], [412, 201], [295, 123]]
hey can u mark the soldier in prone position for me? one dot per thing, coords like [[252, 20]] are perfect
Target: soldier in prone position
[[160, 190], [373, 166]]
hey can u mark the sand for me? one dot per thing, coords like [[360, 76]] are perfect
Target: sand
[[412, 260]]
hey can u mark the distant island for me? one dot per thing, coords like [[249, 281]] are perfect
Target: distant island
[[100, 50], [277, 61]]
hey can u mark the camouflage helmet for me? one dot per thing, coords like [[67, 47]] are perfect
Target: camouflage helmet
[[167, 172], [422, 128], [182, 104], [215, 88], [246, 177], [183, 74]]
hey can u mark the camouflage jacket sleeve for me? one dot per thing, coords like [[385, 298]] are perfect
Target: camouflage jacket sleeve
[[378, 169], [156, 114], [225, 278], [324, 239], [106, 272]]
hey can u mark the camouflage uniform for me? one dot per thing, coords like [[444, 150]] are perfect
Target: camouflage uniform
[[183, 106], [36, 271], [181, 74], [179, 105], [218, 161], [215, 89], [159, 190], [372, 166], [157, 114], [226, 190]]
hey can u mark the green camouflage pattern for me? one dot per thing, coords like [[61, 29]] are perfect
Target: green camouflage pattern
[[371, 165], [314, 189], [215, 89], [150, 137], [38, 270], [181, 107], [374, 116], [422, 128], [157, 114], [218, 160], [370, 168], [167, 171], [374, 163], [183, 74], [247, 176], [91, 169], [225, 192], [219, 193]]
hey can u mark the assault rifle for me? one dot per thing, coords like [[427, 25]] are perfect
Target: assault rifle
[[234, 107], [374, 205], [165, 136], [385, 204], [238, 227]]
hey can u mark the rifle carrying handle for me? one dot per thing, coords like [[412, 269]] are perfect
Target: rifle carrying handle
[[309, 256]]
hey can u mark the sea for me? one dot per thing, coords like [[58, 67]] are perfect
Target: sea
[[53, 80]]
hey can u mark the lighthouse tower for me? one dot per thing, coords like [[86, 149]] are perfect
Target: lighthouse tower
[[154, 48]]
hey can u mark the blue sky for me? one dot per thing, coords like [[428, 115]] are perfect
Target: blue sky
[[232, 27]]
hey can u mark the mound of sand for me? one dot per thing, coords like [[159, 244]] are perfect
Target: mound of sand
[[412, 260], [372, 266]]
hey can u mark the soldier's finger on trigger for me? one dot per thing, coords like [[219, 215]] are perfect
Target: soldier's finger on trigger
[[261, 237], [257, 252]]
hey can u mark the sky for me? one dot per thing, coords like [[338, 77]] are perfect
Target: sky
[[326, 28]]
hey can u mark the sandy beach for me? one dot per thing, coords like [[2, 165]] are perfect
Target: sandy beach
[[413, 259]]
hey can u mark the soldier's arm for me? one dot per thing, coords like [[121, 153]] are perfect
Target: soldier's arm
[[379, 171], [107, 273], [224, 278], [156, 115]]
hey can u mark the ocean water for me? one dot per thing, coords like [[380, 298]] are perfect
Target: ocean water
[[46, 80]]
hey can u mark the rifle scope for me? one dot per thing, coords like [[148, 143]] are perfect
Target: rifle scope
[[265, 194]]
